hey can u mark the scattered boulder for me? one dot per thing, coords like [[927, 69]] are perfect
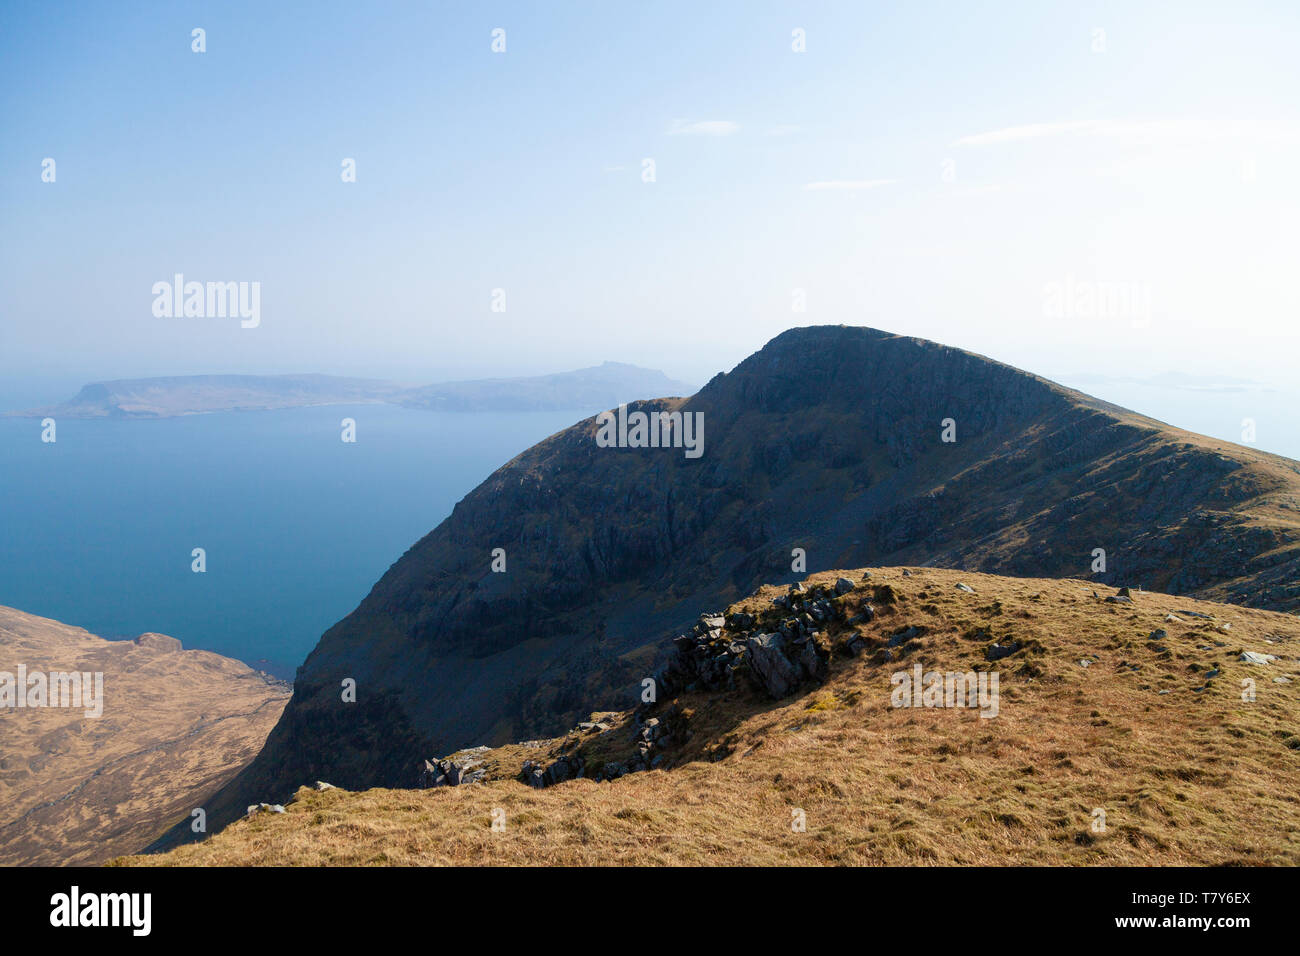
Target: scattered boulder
[[844, 586], [995, 652], [770, 666], [904, 635], [866, 614], [533, 774], [1250, 657], [450, 773], [965, 587]]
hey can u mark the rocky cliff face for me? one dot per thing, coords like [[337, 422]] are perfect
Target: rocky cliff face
[[829, 440]]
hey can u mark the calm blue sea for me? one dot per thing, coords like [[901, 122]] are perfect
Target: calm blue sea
[[97, 529]]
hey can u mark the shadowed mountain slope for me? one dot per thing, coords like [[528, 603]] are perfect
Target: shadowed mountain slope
[[829, 439]]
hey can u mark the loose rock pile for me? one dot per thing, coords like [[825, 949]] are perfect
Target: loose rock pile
[[788, 647], [453, 771]]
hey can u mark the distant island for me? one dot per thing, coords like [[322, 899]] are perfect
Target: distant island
[[599, 387]]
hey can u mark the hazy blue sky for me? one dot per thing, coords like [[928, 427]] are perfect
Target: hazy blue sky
[[931, 169]]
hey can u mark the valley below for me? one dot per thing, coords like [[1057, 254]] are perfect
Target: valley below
[[173, 726]]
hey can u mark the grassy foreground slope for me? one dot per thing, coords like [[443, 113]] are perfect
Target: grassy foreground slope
[[1154, 732]]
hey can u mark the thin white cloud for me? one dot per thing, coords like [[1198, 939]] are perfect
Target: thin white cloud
[[848, 185], [1142, 132], [1013, 134], [979, 190], [703, 128]]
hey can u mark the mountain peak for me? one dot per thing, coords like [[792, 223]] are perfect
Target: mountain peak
[[833, 446]]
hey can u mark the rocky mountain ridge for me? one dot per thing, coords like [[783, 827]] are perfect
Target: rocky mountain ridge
[[829, 445]]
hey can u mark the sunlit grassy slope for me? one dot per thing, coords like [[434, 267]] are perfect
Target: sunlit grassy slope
[[1197, 775]]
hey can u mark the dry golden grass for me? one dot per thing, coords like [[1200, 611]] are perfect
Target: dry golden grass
[[176, 726], [1188, 777]]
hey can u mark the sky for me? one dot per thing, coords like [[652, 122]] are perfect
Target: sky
[[1106, 190]]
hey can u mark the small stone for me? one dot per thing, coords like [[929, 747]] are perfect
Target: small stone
[[1085, 663], [965, 587], [1281, 680], [1250, 657], [905, 635], [1157, 635], [322, 785], [843, 586]]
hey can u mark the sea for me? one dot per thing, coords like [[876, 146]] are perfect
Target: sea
[[99, 528]]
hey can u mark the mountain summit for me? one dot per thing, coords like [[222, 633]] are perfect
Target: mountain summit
[[847, 446]]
